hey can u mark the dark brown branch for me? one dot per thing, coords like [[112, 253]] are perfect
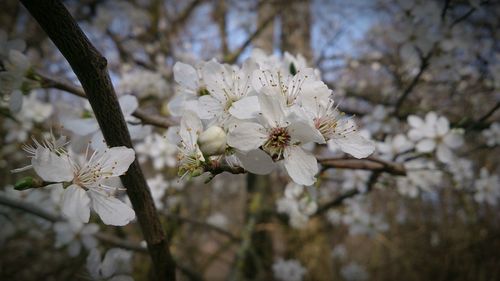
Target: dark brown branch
[[41, 213], [348, 194], [91, 69], [28, 208], [204, 225], [423, 66], [489, 113], [370, 164], [49, 82]]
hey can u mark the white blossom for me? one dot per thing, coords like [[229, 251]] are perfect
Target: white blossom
[[434, 133], [487, 188], [281, 134], [116, 265], [288, 270], [84, 181], [74, 235], [492, 134], [354, 272]]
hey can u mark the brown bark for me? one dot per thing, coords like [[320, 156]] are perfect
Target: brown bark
[[91, 69]]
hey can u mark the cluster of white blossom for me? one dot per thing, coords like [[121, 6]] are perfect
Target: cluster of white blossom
[[85, 179], [259, 115], [492, 134], [14, 66], [114, 267], [143, 84], [288, 270], [358, 218], [297, 204], [83, 124]]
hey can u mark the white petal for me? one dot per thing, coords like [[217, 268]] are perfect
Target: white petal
[[354, 144], [444, 154], [176, 104], [301, 166], [191, 127], [272, 106], [246, 136], [97, 141], [442, 126], [314, 93], [431, 118], [116, 160], [305, 133], [93, 264], [453, 139], [129, 104], [415, 121], [217, 76], [111, 210], [185, 75], [209, 107], [245, 108], [257, 162], [426, 145], [51, 167], [75, 204], [16, 101], [81, 127]]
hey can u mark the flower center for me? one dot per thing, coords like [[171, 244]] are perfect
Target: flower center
[[278, 139]]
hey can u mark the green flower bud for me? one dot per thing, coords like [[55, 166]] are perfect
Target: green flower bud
[[27, 183]]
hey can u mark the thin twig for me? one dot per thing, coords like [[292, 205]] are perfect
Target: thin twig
[[204, 225], [370, 164], [231, 58], [49, 82]]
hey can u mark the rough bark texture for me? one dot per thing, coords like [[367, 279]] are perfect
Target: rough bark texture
[[91, 69]]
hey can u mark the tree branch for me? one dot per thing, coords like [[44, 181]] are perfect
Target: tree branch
[[91, 69], [48, 82], [41, 213], [370, 164], [413, 83], [233, 57], [205, 225]]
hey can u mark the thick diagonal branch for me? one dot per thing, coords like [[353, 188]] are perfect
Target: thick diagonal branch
[[91, 69]]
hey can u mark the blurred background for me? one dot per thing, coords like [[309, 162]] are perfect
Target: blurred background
[[385, 60]]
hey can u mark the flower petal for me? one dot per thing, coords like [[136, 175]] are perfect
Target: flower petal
[[453, 139], [75, 204], [444, 154], [209, 107], [52, 167], [245, 108], [111, 210], [129, 104], [442, 126], [272, 106], [256, 161], [301, 166], [185, 75], [116, 160], [354, 144], [246, 136], [191, 127], [305, 132], [80, 127], [426, 145]]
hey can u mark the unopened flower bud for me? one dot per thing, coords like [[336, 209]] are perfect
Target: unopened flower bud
[[212, 141]]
